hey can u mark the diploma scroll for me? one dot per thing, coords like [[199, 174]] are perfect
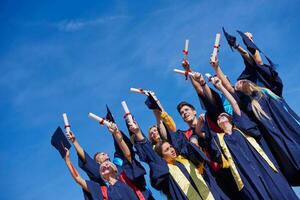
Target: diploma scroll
[[66, 122], [127, 115], [99, 119], [216, 46]]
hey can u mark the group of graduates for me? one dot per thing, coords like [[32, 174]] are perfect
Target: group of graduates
[[245, 146]]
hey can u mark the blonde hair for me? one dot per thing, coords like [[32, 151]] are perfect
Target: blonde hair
[[149, 134], [256, 107], [112, 165]]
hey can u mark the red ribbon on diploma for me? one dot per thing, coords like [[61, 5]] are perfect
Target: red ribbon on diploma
[[185, 52], [67, 126], [126, 114]]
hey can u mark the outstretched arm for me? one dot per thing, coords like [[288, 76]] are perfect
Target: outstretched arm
[[74, 172], [218, 84], [121, 143], [221, 75], [78, 148]]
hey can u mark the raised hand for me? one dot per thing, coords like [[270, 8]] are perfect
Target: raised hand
[[113, 128], [217, 82], [214, 62], [71, 136], [67, 156], [133, 127], [199, 78]]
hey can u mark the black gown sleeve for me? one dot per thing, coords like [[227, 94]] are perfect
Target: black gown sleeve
[[91, 168]]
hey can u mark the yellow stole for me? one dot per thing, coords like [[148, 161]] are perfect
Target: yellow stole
[[185, 185], [232, 166], [259, 150], [233, 169]]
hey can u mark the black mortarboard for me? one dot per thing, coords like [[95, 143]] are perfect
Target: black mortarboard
[[109, 116], [151, 102], [249, 44], [230, 39], [60, 142]]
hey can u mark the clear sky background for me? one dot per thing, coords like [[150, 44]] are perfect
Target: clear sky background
[[76, 56]]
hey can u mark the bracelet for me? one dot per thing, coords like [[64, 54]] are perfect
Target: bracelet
[[203, 84]]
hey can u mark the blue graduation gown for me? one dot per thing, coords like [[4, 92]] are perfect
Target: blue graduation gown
[[134, 170], [118, 191], [160, 177], [264, 75], [260, 180], [282, 134]]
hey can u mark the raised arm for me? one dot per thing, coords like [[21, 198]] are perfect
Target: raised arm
[[160, 124], [121, 143], [221, 75], [163, 120], [78, 148], [74, 172], [218, 84]]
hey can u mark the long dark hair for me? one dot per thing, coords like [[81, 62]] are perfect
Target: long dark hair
[[158, 147]]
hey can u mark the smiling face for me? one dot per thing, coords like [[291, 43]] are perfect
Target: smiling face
[[153, 134], [108, 169], [168, 151], [187, 114], [101, 157], [224, 120]]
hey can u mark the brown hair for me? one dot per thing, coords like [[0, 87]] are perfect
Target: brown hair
[[158, 147], [149, 135], [183, 103], [96, 154]]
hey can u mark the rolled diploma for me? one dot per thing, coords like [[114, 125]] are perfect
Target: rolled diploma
[[186, 46], [216, 46], [140, 91], [128, 115], [66, 122], [99, 119], [183, 72]]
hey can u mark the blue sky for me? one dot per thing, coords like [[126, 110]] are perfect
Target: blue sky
[[76, 56]]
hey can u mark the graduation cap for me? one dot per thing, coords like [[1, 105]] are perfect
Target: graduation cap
[[60, 142], [109, 115], [249, 44], [230, 39], [151, 103]]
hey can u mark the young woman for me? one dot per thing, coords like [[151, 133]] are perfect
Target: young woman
[[279, 124], [255, 174], [180, 176]]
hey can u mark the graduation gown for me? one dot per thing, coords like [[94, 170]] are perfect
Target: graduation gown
[[134, 171], [282, 133], [260, 181], [118, 191], [263, 75], [160, 176]]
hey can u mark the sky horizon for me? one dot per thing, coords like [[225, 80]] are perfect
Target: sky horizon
[[78, 56]]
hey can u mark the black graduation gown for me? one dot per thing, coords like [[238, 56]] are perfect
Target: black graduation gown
[[260, 180], [118, 191], [160, 177]]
